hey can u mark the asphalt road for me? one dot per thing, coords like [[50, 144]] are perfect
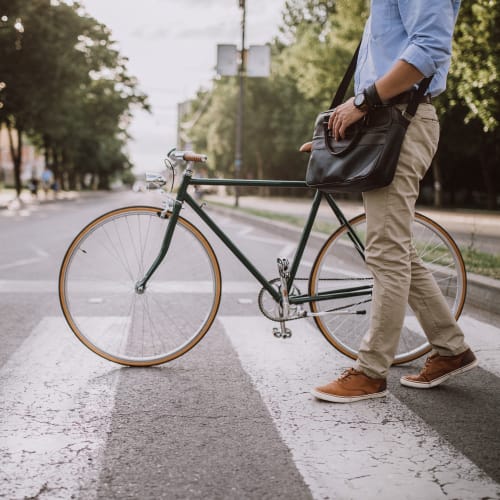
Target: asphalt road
[[231, 419]]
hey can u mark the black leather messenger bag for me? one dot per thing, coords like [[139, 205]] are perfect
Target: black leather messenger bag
[[367, 157]]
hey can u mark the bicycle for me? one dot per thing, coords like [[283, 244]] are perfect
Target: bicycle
[[141, 285]]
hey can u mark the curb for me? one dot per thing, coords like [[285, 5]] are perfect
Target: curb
[[482, 292]]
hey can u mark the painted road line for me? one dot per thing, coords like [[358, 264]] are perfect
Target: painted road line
[[50, 286], [342, 272], [372, 449], [55, 412], [484, 340], [247, 232], [41, 255], [28, 286]]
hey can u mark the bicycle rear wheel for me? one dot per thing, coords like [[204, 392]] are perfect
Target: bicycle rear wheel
[[97, 287], [339, 265]]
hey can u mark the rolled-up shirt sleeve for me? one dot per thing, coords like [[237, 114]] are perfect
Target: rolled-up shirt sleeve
[[429, 25]]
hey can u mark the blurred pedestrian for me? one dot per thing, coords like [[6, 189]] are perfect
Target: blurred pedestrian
[[403, 42], [47, 180], [33, 186]]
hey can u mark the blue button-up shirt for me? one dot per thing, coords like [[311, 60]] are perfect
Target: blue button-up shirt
[[417, 31]]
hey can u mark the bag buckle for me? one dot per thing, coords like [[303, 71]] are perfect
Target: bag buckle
[[406, 115]]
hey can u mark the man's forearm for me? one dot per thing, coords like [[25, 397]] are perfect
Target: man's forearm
[[401, 77]]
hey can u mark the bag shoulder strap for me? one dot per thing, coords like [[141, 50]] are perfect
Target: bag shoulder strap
[[411, 109], [346, 80]]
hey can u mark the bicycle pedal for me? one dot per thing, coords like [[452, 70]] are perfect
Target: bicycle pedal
[[282, 334]]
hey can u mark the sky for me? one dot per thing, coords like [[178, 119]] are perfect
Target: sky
[[172, 50]]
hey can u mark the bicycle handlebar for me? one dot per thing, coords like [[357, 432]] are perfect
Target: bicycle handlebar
[[189, 156]]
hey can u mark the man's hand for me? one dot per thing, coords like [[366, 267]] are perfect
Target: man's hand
[[344, 115]]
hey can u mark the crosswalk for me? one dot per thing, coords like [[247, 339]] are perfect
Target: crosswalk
[[57, 407], [372, 449]]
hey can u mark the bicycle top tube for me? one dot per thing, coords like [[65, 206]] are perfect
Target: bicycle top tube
[[191, 157], [200, 181]]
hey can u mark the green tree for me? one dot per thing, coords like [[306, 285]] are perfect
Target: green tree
[[319, 56], [473, 97], [298, 14], [66, 87]]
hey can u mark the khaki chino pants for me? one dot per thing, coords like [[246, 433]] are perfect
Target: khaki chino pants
[[399, 275]]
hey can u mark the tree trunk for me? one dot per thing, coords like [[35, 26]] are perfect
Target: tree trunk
[[56, 167], [46, 150], [103, 182], [16, 154], [438, 186], [488, 170]]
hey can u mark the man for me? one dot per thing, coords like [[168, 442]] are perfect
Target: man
[[403, 42]]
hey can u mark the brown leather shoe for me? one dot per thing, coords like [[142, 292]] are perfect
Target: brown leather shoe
[[351, 386], [438, 368]]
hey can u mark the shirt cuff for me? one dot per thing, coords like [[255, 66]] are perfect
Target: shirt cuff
[[417, 57]]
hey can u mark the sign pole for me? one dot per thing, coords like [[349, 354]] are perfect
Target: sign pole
[[238, 161]]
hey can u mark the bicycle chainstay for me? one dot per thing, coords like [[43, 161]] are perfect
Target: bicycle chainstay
[[295, 291]]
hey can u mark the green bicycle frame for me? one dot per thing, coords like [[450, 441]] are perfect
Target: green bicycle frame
[[184, 197]]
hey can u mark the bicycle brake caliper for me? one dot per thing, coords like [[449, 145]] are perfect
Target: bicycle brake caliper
[[283, 269]]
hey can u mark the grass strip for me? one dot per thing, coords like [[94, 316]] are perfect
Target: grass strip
[[476, 261]]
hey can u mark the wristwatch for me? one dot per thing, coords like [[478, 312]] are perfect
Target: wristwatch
[[361, 102], [368, 99]]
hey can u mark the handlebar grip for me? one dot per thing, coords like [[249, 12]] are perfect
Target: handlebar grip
[[192, 156]]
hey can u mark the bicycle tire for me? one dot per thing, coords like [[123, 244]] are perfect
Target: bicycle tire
[[339, 262], [97, 287]]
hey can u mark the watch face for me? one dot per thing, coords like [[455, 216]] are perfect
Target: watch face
[[359, 100]]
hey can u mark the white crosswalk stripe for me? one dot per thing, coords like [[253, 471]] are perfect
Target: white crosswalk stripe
[[55, 411], [484, 339], [371, 449], [40, 286]]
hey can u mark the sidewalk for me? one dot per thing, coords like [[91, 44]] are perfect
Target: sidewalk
[[468, 227], [482, 230], [8, 198]]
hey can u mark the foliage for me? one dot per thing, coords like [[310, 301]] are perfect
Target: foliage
[[68, 88], [317, 59], [475, 70], [316, 41], [313, 14], [470, 108]]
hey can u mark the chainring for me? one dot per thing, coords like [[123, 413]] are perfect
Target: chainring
[[270, 308]]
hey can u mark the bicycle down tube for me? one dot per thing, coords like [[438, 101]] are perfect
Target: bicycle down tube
[[184, 196]]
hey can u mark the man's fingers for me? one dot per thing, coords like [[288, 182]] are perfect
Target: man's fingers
[[342, 131], [337, 125], [331, 120]]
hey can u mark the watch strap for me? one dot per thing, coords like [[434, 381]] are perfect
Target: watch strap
[[372, 97]]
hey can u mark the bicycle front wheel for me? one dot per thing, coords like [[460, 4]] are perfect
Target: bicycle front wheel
[[338, 265], [98, 296]]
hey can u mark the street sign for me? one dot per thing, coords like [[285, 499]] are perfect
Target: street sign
[[259, 61], [227, 60]]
